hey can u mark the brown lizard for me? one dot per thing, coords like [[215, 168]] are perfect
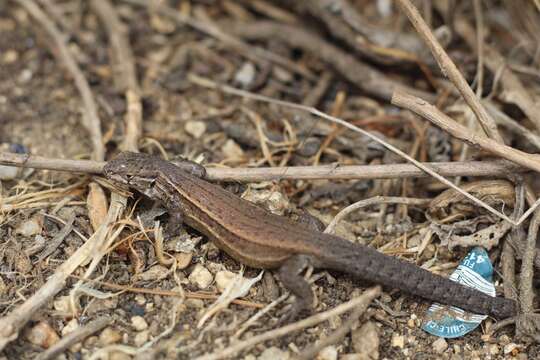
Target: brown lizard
[[260, 239]]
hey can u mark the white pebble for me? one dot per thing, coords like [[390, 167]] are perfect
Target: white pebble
[[195, 128], [201, 277], [139, 323], [223, 279], [439, 345]]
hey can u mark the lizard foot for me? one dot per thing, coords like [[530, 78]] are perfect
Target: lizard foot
[[298, 308]]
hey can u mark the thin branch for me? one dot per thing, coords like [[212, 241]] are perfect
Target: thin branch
[[437, 117], [513, 89], [450, 69], [526, 292], [386, 171]]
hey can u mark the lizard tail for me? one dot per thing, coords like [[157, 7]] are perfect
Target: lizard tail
[[369, 264]]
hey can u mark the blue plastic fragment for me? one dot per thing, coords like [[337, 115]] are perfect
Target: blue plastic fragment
[[474, 271]]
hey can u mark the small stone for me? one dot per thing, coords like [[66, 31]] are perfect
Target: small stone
[[109, 336], [439, 345], [141, 338], [274, 201], [365, 340], [30, 227], [398, 341], [328, 353], [511, 348], [494, 349], [194, 303], [245, 75], [10, 56], [155, 273], [273, 353], [232, 150], [72, 325], [183, 260], [223, 279], [140, 299], [25, 76], [100, 305], [139, 323], [201, 277], [195, 128], [42, 335]]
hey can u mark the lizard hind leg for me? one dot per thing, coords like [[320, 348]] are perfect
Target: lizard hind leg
[[290, 275]]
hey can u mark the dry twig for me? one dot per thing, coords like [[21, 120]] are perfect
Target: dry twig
[[437, 117], [449, 69], [385, 171]]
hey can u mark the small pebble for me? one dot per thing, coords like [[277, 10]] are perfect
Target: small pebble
[[30, 227], [201, 277], [109, 336], [232, 150], [273, 353], [511, 348], [439, 345], [274, 201], [155, 273], [139, 323], [194, 303], [72, 325], [140, 299], [494, 349], [245, 75], [195, 128], [398, 341], [223, 279], [141, 338], [42, 335], [328, 353]]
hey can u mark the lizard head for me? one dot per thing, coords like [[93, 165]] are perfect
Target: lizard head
[[133, 169]]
